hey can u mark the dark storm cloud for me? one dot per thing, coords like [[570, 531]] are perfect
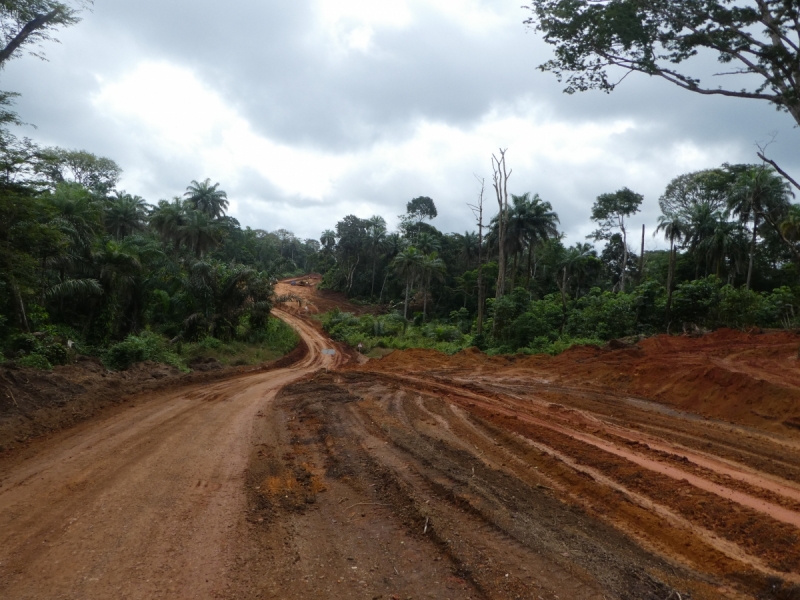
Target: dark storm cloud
[[281, 72]]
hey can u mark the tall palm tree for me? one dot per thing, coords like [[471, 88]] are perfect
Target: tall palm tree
[[721, 244], [376, 231], [703, 222], [207, 198], [200, 232], [755, 191], [407, 264], [76, 212], [675, 230], [125, 214], [427, 243], [431, 267], [328, 240], [167, 219], [541, 225]]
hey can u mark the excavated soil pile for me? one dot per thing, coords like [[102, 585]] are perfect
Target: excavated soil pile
[[746, 378], [622, 435]]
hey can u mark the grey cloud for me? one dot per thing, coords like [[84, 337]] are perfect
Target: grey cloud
[[267, 63]]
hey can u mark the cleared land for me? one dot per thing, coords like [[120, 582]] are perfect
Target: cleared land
[[663, 470]]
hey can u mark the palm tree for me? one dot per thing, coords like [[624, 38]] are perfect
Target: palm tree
[[790, 226], [167, 219], [78, 214], [328, 240], [426, 243], [207, 198], [674, 230], [541, 223], [125, 214], [377, 237], [468, 247], [530, 220], [721, 244], [703, 221], [200, 232], [755, 191], [430, 267], [407, 264]]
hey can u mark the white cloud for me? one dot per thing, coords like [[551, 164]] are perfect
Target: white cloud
[[180, 118], [183, 118]]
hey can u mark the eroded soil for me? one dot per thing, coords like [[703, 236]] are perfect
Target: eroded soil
[[670, 469]]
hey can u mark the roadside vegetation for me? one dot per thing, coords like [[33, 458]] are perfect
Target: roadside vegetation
[[88, 267]]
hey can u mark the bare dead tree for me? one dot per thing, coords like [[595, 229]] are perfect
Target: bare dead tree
[[641, 258], [477, 210], [500, 177], [762, 154]]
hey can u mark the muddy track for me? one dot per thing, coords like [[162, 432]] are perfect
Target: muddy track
[[425, 480], [671, 483], [145, 502]]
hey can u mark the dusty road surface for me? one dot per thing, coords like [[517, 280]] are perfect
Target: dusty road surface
[[147, 502], [665, 470]]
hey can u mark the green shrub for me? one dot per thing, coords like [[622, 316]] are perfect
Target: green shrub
[[146, 346], [35, 361], [55, 353], [210, 343]]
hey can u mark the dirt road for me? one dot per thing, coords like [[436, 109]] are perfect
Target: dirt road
[[665, 471], [146, 502]]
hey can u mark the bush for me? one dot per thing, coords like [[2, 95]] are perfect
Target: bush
[[35, 361], [146, 346]]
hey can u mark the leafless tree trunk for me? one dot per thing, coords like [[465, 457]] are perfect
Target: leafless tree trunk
[[478, 208], [624, 256], [500, 179], [641, 258]]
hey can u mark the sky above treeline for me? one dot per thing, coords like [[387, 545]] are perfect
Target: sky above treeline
[[310, 110]]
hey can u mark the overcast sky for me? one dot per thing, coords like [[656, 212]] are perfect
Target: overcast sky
[[309, 110]]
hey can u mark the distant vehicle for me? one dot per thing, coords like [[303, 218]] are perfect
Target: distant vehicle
[[292, 283]]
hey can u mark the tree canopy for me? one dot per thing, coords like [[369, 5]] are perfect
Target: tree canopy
[[26, 23], [756, 40]]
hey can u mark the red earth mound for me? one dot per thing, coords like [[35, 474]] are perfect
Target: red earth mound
[[745, 377]]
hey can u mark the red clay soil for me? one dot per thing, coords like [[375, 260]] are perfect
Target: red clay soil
[[667, 470], [626, 434]]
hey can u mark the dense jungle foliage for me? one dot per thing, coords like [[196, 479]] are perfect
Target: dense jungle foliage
[[732, 261], [85, 265]]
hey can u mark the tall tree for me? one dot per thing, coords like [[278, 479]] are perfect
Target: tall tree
[[674, 230], [207, 198], [418, 210], [93, 172], [596, 42], [431, 267], [377, 239], [757, 192], [500, 176], [610, 212], [407, 264], [31, 22]]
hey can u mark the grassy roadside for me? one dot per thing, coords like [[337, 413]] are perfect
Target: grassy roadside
[[380, 334], [43, 351]]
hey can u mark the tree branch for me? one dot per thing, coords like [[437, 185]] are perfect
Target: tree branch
[[778, 169], [30, 28]]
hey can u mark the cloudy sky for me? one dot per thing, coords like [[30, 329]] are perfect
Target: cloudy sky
[[309, 110]]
